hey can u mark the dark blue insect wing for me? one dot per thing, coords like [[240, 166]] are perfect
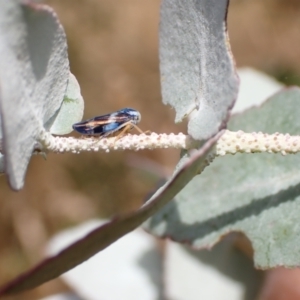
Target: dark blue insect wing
[[83, 129], [102, 125], [114, 117], [103, 119], [107, 124], [104, 130], [88, 127]]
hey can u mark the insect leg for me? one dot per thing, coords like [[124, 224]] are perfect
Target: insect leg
[[125, 128], [141, 131]]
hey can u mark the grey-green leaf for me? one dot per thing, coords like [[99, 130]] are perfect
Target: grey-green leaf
[[198, 76], [106, 234], [34, 71], [71, 110], [258, 194]]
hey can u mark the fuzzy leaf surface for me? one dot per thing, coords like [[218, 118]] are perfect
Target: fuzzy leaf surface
[[34, 71], [198, 76], [71, 110], [257, 194]]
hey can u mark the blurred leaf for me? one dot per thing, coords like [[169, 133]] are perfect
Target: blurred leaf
[[64, 296], [210, 276], [108, 233], [34, 71], [136, 255], [71, 110], [197, 71], [258, 194], [255, 88]]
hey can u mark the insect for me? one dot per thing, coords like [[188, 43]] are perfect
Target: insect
[[122, 120]]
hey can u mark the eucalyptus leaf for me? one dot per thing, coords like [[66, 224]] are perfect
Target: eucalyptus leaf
[[135, 254], [198, 76], [71, 110], [210, 276], [257, 194], [255, 88], [106, 234], [34, 71]]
